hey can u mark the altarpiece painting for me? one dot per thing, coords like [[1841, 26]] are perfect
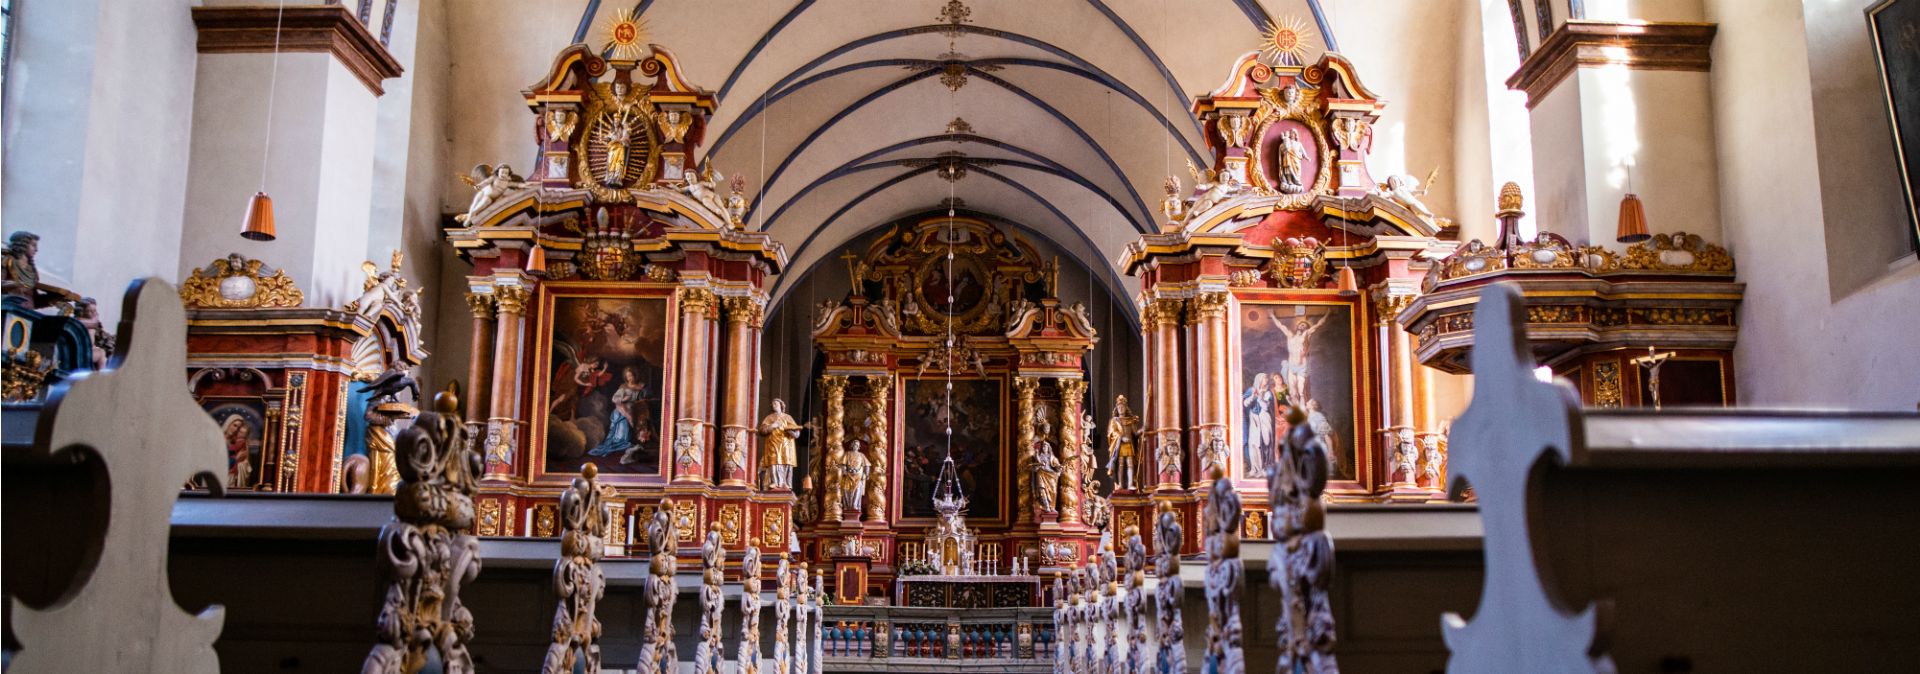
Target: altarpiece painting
[[1296, 354], [976, 414], [603, 370]]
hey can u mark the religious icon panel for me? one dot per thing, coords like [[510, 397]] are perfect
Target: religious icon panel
[[976, 415], [604, 366], [1296, 354], [243, 429]]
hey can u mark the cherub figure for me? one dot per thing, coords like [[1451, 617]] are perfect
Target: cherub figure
[[489, 183]]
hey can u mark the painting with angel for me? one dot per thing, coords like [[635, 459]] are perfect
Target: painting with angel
[[604, 384]]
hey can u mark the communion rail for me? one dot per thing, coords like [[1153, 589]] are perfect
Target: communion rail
[[902, 639]]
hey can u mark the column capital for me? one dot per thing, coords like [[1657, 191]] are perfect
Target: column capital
[[745, 310], [696, 300], [481, 304], [1207, 306], [512, 299]]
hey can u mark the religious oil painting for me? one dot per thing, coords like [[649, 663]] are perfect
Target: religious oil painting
[[1295, 355], [605, 376], [976, 416], [243, 438], [1896, 40]]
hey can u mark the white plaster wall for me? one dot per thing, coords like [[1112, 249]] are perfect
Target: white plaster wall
[[1861, 195], [1645, 10], [1799, 345], [1649, 132], [1494, 142], [97, 120], [1405, 51], [1559, 174]]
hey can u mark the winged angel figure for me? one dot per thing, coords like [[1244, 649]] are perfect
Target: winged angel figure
[[488, 183]]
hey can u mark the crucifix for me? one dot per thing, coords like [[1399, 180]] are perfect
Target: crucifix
[[1652, 361]]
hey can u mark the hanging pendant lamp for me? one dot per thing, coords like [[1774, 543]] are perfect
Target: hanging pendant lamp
[[1349, 283], [258, 225], [537, 261], [1633, 220]]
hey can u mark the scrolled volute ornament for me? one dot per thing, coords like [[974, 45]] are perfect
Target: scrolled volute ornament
[[577, 577], [428, 551]]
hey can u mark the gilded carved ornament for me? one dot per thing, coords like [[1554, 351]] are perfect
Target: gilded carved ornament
[[237, 282], [512, 299], [697, 301], [1302, 106], [745, 310], [1298, 262], [1206, 306], [481, 304]]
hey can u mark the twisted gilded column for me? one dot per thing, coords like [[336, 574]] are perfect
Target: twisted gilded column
[[480, 360], [833, 388], [878, 450], [1207, 320], [745, 319], [1024, 390], [698, 309], [1073, 394], [1162, 452], [502, 444]]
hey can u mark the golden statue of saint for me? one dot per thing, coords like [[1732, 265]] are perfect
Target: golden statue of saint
[[1122, 454], [778, 431]]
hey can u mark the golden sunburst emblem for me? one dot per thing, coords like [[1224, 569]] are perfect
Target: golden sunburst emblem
[[1285, 40], [627, 37]]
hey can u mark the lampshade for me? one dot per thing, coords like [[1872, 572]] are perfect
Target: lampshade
[[1633, 220], [259, 223], [537, 260], [1349, 285]]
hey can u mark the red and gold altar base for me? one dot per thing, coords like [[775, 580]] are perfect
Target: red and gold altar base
[[926, 343], [1243, 320], [635, 349]]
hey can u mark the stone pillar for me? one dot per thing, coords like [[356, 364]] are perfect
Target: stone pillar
[[1024, 390], [1073, 394], [745, 319], [480, 364], [833, 388], [1623, 105], [879, 448], [502, 444], [1207, 318], [326, 81], [1164, 316], [694, 409]]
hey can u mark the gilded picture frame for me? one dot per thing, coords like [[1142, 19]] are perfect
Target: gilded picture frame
[[1346, 399], [653, 311], [1895, 30], [920, 427]]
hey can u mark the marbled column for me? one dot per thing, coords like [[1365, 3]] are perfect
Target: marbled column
[[1207, 317], [480, 363], [1165, 318], [745, 319], [833, 388], [1397, 367], [878, 450], [1024, 390], [1073, 394], [697, 309], [502, 444]]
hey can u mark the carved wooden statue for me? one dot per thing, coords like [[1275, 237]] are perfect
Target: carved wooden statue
[[748, 656], [813, 607], [1172, 656], [782, 617], [1134, 603], [1225, 578], [150, 437], [1062, 627], [428, 550], [577, 577], [709, 656], [658, 655], [1123, 460], [778, 434], [1302, 564], [801, 616]]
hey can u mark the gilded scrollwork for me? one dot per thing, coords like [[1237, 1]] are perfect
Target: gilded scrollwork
[[577, 577], [1298, 262], [238, 282], [1606, 384], [1301, 106], [1678, 251]]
